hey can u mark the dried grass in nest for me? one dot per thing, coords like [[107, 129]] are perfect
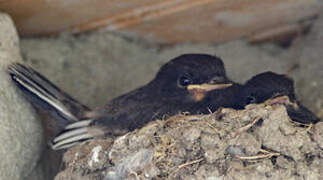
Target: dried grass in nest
[[230, 128]]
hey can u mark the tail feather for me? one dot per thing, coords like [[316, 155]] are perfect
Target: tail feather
[[76, 133], [46, 96], [70, 121], [79, 124], [72, 141]]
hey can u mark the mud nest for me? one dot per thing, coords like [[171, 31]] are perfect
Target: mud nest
[[260, 142]]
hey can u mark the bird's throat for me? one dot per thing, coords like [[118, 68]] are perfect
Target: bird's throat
[[198, 96]]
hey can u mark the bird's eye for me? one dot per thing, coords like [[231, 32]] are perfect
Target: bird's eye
[[250, 100], [184, 81]]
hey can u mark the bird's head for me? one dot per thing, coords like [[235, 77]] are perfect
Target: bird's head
[[267, 87], [191, 76]]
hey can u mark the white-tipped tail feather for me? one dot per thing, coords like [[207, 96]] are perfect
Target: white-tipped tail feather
[[76, 133], [69, 142], [35, 85], [65, 111], [79, 124]]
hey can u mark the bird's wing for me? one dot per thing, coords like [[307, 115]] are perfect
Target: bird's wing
[[46, 96], [115, 119]]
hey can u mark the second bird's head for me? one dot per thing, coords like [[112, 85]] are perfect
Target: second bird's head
[[191, 77], [268, 87]]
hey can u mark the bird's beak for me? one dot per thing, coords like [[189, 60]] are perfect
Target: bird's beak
[[207, 87], [199, 91], [282, 100]]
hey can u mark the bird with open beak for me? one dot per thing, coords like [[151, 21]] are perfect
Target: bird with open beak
[[194, 83], [271, 88]]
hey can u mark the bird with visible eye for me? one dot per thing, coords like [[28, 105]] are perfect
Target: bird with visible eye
[[272, 88], [184, 81], [194, 83]]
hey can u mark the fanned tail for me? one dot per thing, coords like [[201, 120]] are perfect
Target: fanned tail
[[85, 130], [46, 96], [73, 134]]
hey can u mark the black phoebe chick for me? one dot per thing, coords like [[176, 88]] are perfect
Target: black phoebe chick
[[181, 85], [273, 88]]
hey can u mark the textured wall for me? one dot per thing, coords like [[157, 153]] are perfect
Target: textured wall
[[20, 131]]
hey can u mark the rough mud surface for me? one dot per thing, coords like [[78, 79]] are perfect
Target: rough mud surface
[[260, 142]]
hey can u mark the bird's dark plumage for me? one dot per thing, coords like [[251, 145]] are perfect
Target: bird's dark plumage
[[192, 83], [269, 85]]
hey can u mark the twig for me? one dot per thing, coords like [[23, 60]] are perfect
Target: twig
[[308, 126], [308, 129], [267, 154], [248, 126], [245, 128], [264, 151], [212, 127], [188, 163]]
